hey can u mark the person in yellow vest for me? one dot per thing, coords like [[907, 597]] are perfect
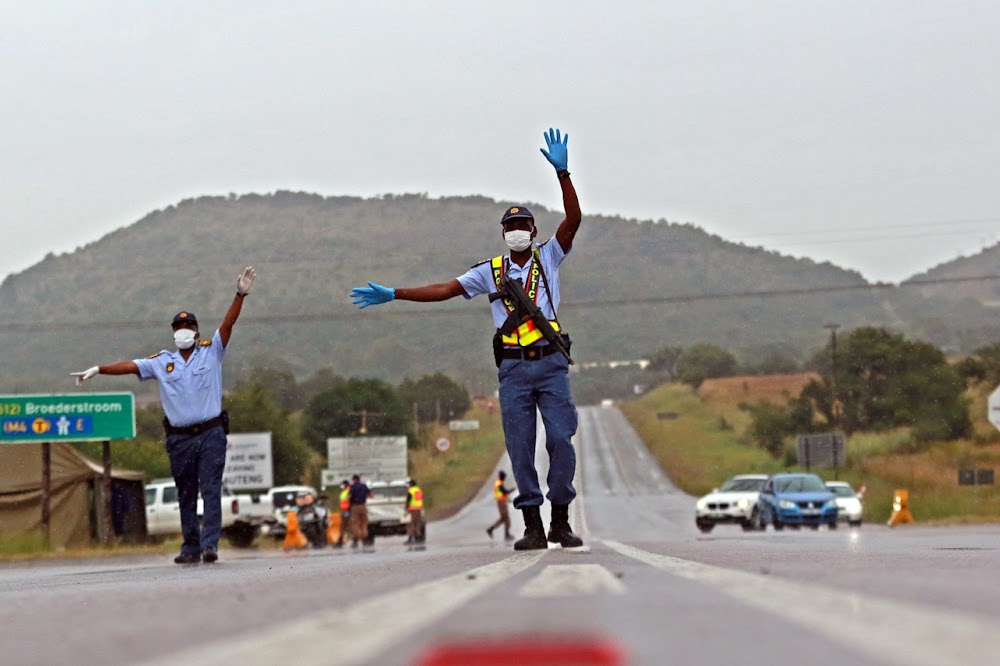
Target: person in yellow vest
[[533, 375], [502, 496], [345, 511], [415, 509]]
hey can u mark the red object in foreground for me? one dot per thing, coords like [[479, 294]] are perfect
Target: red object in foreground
[[526, 651]]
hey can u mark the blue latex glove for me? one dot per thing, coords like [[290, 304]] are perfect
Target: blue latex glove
[[556, 154], [373, 294]]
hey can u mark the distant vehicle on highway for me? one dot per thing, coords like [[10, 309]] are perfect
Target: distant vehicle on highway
[[796, 499], [735, 501], [849, 507]]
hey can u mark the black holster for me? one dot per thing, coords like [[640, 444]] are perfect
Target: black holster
[[498, 348]]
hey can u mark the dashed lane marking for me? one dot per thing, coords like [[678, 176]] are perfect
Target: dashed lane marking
[[566, 580]]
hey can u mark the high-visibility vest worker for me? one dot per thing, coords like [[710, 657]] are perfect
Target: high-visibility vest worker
[[498, 491], [345, 499], [416, 498]]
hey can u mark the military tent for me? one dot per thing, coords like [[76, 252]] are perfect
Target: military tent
[[75, 495]]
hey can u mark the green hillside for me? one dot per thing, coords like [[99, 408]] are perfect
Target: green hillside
[[629, 288]]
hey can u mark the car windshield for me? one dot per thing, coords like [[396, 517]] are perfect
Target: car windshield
[[738, 485], [389, 492], [841, 491], [801, 484], [281, 500]]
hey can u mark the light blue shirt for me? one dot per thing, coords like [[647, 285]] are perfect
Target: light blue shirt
[[190, 391], [479, 280]]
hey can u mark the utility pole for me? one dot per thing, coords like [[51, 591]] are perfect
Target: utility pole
[[835, 406]]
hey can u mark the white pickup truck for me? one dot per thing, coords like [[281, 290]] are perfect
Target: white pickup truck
[[163, 515], [386, 507]]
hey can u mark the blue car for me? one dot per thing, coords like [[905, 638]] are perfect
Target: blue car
[[796, 499]]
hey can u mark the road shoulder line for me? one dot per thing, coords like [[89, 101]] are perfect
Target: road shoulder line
[[357, 633], [899, 632]]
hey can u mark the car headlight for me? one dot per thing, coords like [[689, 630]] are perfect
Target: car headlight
[[700, 504], [830, 504], [743, 503], [786, 504]]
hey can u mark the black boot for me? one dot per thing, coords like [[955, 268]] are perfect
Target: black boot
[[560, 531], [534, 532]]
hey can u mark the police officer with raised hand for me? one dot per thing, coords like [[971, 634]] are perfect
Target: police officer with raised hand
[[531, 371], [191, 394]]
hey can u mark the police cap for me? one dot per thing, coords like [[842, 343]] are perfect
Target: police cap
[[184, 317], [515, 212]]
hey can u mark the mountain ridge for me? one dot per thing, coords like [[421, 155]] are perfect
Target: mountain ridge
[[630, 287]]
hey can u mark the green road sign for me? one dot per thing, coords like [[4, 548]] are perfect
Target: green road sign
[[74, 417]]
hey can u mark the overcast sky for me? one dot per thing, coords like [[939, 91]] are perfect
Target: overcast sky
[[864, 133]]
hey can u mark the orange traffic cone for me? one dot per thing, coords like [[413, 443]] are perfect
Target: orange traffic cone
[[294, 538], [333, 530]]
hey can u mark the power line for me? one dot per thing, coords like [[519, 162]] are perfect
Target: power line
[[351, 313]]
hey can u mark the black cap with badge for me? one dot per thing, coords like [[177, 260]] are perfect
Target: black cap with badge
[[184, 317], [515, 212]]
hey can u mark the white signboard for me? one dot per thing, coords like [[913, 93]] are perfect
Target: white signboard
[[249, 465], [381, 458], [463, 425], [993, 408]]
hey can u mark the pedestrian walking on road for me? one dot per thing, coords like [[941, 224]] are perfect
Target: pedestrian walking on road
[[531, 350], [191, 394], [502, 496], [359, 494]]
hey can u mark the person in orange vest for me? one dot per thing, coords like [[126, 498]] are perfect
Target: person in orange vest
[[501, 495], [345, 511], [415, 508]]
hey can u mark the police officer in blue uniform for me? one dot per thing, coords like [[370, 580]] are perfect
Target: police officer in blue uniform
[[531, 372], [191, 394]]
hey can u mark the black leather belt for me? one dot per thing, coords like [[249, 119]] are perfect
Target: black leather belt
[[530, 353], [195, 429]]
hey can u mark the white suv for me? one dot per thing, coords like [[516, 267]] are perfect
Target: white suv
[[735, 501]]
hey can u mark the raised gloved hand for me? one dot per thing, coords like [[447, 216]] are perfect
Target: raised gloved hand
[[556, 154], [373, 294], [81, 377], [244, 281]]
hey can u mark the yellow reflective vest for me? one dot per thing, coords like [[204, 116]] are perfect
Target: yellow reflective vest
[[527, 333], [345, 499], [498, 492], [416, 499]]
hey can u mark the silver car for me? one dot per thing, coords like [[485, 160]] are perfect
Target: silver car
[[735, 501], [849, 507]]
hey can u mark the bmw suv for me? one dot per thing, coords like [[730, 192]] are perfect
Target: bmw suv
[[735, 501]]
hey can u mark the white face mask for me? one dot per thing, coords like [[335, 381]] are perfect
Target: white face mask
[[184, 338], [518, 239]]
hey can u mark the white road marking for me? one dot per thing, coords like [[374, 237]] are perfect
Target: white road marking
[[901, 633], [355, 635], [565, 580]]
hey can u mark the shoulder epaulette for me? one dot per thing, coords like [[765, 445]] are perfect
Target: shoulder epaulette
[[480, 263], [154, 355], [204, 343]]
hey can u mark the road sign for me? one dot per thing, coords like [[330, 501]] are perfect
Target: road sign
[[73, 417], [442, 444], [822, 449], [249, 465], [993, 408], [463, 425]]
